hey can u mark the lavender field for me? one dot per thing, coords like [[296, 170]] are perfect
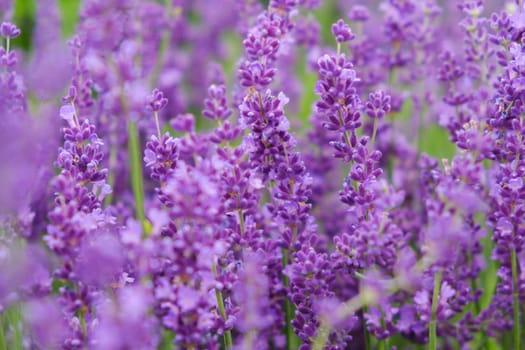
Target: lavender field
[[262, 174]]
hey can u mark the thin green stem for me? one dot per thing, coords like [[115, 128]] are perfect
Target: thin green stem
[[157, 123], [15, 320], [135, 167], [166, 340], [385, 343], [83, 325], [345, 133], [321, 338], [228, 341], [523, 318], [432, 336], [18, 332], [515, 298], [368, 340], [75, 114], [241, 221], [287, 306], [292, 341], [3, 345], [7, 45]]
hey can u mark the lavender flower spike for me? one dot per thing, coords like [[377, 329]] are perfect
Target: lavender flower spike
[[342, 33], [157, 102]]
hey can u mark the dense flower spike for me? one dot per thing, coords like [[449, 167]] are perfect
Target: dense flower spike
[[378, 105], [255, 175], [216, 104]]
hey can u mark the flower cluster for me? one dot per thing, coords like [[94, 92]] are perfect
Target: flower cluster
[[282, 174]]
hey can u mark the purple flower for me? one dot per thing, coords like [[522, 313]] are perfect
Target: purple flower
[[378, 104], [183, 123], [161, 157], [216, 107], [342, 31], [9, 30], [157, 101]]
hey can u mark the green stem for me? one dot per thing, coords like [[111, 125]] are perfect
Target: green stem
[[522, 312], [515, 297], [157, 123], [3, 345], [345, 133], [135, 167], [368, 340], [83, 325], [432, 336], [292, 341], [385, 343], [16, 322], [14, 318], [321, 338], [241, 222], [166, 340], [228, 341]]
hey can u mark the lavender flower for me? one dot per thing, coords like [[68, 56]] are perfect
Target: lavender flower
[[269, 218], [342, 32], [378, 105], [9, 30]]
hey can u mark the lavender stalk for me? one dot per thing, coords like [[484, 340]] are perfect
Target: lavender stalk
[[3, 345], [515, 300], [432, 336], [135, 166]]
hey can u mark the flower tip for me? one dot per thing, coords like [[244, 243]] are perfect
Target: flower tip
[[9, 30], [67, 112]]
